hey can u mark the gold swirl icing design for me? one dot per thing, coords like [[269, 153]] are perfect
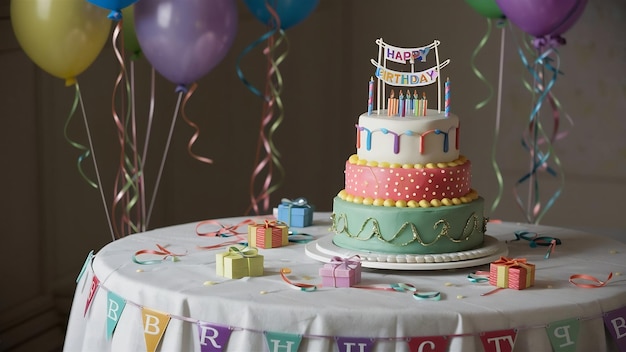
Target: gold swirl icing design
[[340, 225]]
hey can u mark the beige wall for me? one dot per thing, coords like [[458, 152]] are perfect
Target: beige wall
[[51, 218]]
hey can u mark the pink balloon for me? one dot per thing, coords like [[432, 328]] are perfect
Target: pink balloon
[[543, 17], [185, 39]]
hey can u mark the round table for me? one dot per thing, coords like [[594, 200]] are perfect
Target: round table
[[190, 293]]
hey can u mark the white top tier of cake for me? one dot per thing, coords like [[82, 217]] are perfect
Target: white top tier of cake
[[411, 140]]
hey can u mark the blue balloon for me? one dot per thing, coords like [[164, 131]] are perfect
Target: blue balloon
[[115, 6], [290, 12]]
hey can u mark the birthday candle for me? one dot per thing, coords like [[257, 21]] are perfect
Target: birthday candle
[[370, 99], [390, 103], [447, 98], [401, 106], [425, 102], [415, 102]]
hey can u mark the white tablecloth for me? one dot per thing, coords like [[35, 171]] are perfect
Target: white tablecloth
[[252, 306]]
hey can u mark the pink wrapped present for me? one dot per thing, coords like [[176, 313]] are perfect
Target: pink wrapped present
[[513, 273], [341, 272], [270, 234]]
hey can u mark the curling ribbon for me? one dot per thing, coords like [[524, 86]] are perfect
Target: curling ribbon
[[296, 285], [595, 283], [125, 189], [85, 151], [404, 287], [224, 231], [78, 100], [271, 98], [532, 142], [196, 134], [479, 75], [162, 251], [496, 134]]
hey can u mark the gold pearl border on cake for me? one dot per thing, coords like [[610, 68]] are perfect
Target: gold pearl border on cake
[[354, 159], [471, 196]]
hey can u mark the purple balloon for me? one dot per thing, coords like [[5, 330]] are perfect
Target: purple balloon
[[543, 17], [185, 39]]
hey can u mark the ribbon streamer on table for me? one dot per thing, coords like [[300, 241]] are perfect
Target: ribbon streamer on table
[[595, 282], [224, 231], [296, 285], [535, 136], [162, 251], [125, 188], [403, 287], [535, 240], [269, 161]]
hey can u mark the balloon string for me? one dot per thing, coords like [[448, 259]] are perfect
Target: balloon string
[[167, 147], [142, 184], [265, 143], [494, 161], [196, 134], [93, 158], [477, 72]]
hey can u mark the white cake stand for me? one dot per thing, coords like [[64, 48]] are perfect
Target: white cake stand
[[324, 249]]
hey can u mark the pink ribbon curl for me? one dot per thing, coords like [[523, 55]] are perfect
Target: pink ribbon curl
[[595, 282]]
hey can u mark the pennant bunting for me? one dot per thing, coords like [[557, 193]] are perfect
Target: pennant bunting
[[498, 341], [563, 334], [428, 343], [615, 322], [95, 283], [85, 265], [282, 342], [355, 344], [115, 306], [213, 337], [154, 325]]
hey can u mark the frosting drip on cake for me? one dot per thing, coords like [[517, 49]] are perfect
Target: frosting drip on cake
[[408, 139]]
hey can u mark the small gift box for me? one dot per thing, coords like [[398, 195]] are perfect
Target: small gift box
[[341, 272], [270, 234], [296, 213], [512, 273], [238, 263]]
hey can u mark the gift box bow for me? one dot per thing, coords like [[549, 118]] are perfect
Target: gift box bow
[[272, 224], [247, 252], [297, 203], [510, 261], [345, 263]]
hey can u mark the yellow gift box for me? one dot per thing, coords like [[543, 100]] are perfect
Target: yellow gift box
[[238, 263], [270, 234], [499, 273]]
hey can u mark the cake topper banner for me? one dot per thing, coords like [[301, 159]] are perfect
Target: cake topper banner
[[408, 79], [404, 55]]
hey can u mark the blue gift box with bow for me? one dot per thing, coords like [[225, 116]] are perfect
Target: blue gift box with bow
[[296, 213]]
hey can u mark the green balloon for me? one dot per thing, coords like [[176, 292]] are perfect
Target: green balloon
[[487, 8], [131, 44]]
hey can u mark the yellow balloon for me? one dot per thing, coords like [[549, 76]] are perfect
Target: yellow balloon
[[63, 37]]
